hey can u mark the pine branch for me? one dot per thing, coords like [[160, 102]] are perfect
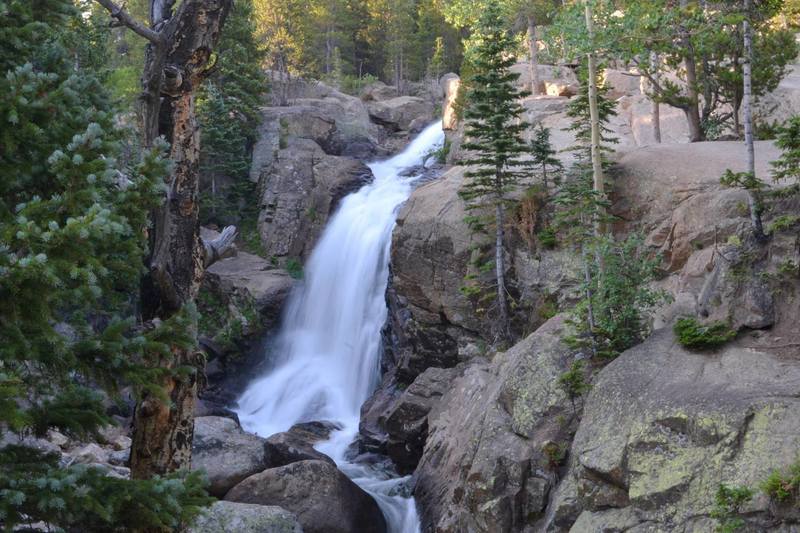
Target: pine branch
[[128, 21]]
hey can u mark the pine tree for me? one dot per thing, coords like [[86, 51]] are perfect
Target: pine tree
[[73, 221], [229, 116], [544, 160], [494, 138]]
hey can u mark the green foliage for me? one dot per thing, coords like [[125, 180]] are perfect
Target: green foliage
[[35, 488], [547, 238], [660, 38], [573, 382], [619, 294], [493, 132], [543, 159], [73, 235], [228, 112], [294, 268], [787, 166], [783, 223], [694, 335], [728, 504], [581, 126], [784, 486]]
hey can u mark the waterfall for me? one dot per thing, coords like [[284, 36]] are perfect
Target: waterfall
[[329, 346]]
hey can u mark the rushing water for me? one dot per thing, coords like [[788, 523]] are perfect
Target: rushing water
[[330, 343]]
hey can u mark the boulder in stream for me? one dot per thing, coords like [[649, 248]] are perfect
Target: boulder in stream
[[297, 444], [225, 452], [322, 497]]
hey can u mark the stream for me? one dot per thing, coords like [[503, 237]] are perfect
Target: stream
[[329, 346]]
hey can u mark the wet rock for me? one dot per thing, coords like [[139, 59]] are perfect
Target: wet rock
[[323, 498], [226, 453], [226, 517], [297, 444], [406, 422]]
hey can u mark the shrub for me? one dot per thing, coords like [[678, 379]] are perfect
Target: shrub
[[573, 382], [692, 334], [294, 268], [783, 486], [728, 504]]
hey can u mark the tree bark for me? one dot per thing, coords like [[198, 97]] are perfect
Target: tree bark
[[536, 85], [175, 65], [500, 270], [747, 75], [656, 109], [692, 110], [598, 179]]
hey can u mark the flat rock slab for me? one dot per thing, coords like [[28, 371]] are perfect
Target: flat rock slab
[[227, 517]]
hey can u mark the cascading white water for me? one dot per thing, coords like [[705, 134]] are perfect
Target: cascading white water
[[330, 343]]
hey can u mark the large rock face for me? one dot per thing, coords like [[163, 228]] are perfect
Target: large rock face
[[663, 427], [398, 113], [224, 517], [432, 249], [672, 193], [323, 499], [299, 192], [225, 452], [485, 467]]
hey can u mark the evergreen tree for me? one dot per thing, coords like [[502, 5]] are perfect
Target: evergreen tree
[[229, 116], [581, 127], [73, 221], [494, 138], [544, 160]]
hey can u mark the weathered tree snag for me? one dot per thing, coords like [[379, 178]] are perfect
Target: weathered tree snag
[[181, 43], [533, 57]]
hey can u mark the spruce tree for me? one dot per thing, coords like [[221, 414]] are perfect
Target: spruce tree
[[73, 221], [228, 109], [494, 138], [543, 156]]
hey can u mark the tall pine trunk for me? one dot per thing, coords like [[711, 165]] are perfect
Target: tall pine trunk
[[598, 179], [533, 58], [747, 104], [656, 106], [500, 269], [692, 108]]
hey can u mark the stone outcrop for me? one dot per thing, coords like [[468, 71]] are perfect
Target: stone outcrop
[[663, 427], [323, 498], [490, 458], [432, 248], [299, 192], [226, 453], [398, 113], [224, 517], [673, 195], [406, 421], [249, 276]]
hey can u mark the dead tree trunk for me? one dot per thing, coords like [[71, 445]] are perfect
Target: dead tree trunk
[[533, 59], [181, 44]]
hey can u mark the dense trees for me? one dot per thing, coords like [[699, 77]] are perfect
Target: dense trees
[[73, 216], [396, 41]]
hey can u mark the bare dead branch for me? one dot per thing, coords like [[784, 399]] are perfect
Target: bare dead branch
[[221, 247], [125, 18]]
